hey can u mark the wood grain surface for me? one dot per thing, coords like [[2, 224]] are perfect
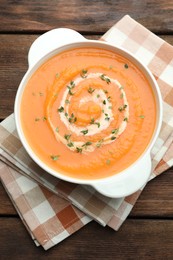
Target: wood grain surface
[[147, 233], [137, 239], [94, 16]]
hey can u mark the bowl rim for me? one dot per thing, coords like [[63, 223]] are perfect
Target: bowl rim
[[96, 44]]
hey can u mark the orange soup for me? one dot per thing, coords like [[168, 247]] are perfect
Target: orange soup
[[88, 113]]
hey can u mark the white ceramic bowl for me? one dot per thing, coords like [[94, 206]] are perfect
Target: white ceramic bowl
[[118, 185]]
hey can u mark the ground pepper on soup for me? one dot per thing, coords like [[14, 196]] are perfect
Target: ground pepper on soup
[[88, 113]]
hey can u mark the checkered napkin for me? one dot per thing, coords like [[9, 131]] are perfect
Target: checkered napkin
[[52, 209]]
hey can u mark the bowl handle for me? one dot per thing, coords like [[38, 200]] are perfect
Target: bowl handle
[[51, 40], [121, 186]]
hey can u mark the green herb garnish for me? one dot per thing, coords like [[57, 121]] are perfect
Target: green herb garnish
[[72, 119], [86, 144], [72, 85], [122, 108], [54, 157], [70, 144], [97, 123], [84, 131], [126, 66], [103, 77], [115, 131], [83, 73], [67, 101], [37, 119], [125, 119], [92, 121], [70, 92], [113, 138], [142, 116], [109, 98], [104, 102], [78, 150], [67, 137], [99, 143], [91, 90], [72, 115], [57, 129], [107, 118], [61, 109], [108, 162]]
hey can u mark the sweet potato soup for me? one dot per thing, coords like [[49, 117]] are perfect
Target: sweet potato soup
[[88, 113]]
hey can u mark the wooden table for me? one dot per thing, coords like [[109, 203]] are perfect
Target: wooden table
[[148, 231]]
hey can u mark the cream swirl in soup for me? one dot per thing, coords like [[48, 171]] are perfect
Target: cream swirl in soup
[[99, 103]]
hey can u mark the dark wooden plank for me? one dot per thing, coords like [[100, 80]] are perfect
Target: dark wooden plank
[[81, 15], [156, 200], [6, 207], [136, 239], [13, 65]]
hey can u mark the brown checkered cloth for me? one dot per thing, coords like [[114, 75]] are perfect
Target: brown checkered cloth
[[52, 209]]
